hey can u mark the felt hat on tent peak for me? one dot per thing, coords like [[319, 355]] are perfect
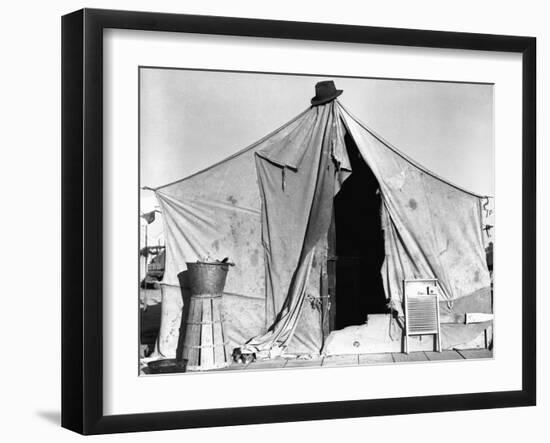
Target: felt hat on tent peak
[[325, 92]]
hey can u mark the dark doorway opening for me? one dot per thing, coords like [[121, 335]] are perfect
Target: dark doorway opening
[[358, 244]]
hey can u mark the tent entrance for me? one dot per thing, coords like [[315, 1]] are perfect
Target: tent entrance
[[356, 246]]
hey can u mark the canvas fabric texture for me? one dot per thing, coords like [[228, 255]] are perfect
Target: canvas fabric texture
[[268, 209]]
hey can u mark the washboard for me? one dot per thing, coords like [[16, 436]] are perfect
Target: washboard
[[421, 303]]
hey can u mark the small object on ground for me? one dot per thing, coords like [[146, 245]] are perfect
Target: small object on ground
[[144, 350], [167, 366], [239, 357], [236, 355], [477, 317]]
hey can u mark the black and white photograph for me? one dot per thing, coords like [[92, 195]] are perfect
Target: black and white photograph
[[275, 222], [313, 221]]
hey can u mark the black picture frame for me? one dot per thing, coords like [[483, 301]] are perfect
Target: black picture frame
[[82, 220]]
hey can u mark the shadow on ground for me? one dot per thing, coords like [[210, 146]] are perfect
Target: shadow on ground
[[54, 417]]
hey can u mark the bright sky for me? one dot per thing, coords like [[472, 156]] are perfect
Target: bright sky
[[191, 119]]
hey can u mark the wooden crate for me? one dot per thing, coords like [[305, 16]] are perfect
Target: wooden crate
[[204, 346]]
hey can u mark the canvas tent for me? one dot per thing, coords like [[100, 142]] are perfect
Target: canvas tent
[[270, 208]]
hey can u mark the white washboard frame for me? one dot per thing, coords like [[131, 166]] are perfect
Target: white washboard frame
[[427, 323]]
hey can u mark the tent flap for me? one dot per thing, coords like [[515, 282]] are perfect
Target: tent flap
[[295, 219]]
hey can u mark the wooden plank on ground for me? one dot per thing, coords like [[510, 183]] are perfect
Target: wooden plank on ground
[[370, 359], [475, 317], [232, 367], [275, 363], [445, 355], [412, 356], [340, 360], [302, 363], [476, 353]]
